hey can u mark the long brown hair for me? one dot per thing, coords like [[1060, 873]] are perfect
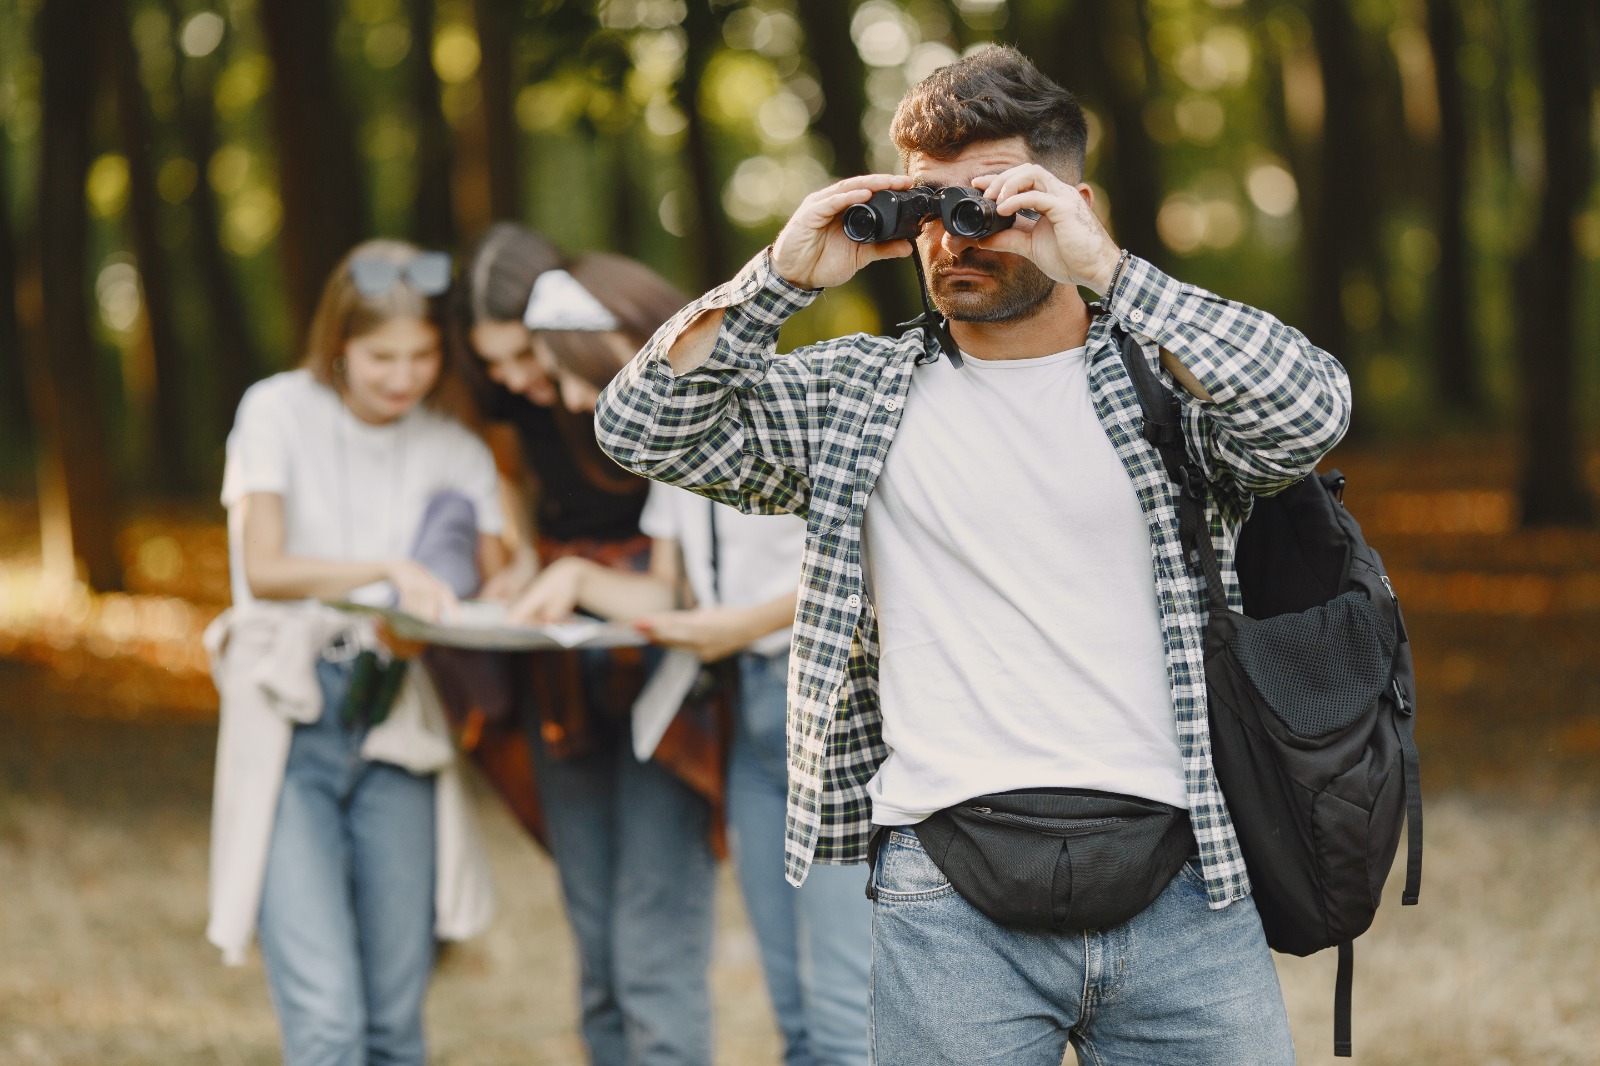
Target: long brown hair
[[641, 299], [343, 312], [496, 281]]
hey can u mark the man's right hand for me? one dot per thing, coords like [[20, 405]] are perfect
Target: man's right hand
[[812, 250]]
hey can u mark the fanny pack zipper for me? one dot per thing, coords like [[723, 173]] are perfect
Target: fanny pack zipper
[[1051, 825]]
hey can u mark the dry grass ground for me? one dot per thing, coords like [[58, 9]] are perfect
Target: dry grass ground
[[106, 738], [102, 962]]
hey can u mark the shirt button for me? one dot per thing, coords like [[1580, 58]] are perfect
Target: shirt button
[[891, 405], [1136, 315], [853, 601]]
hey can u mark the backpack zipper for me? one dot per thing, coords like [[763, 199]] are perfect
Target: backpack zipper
[[1399, 619]]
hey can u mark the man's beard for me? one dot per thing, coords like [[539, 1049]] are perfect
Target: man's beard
[[1021, 288]]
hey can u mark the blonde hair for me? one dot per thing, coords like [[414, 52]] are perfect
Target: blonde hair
[[343, 313]]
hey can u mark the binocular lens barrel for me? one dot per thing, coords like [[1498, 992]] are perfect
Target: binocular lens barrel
[[862, 224], [898, 215], [972, 218]]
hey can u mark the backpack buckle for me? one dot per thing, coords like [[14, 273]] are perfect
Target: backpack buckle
[[1160, 433], [1192, 481]]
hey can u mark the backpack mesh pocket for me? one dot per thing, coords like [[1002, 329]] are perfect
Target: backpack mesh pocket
[[1319, 670]]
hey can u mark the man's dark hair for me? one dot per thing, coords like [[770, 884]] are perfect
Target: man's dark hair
[[991, 95]]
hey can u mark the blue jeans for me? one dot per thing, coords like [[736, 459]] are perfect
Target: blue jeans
[[346, 925], [1178, 983], [816, 940], [637, 875]]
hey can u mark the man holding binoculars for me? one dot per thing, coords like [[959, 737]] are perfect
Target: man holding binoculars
[[997, 694]]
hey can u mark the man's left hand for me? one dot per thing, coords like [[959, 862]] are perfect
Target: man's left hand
[[1067, 241]]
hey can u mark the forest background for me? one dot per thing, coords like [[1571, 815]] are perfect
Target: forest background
[[1411, 182]]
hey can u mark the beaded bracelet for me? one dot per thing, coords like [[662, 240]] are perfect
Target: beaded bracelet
[[1111, 286]]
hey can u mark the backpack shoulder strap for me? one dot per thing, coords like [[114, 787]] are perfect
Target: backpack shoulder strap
[[1163, 428]]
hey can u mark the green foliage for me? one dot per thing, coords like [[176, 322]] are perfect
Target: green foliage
[[1228, 96]]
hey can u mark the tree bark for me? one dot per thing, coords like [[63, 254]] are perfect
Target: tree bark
[[624, 194], [711, 236], [168, 417], [496, 82], [1340, 218], [76, 504], [433, 224], [844, 79], [1456, 363], [14, 429], [320, 176], [231, 349], [1553, 488], [1085, 39]]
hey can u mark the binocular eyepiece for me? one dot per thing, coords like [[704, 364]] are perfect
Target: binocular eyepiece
[[898, 215]]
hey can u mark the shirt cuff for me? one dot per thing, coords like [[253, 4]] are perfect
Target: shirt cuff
[[1156, 305]]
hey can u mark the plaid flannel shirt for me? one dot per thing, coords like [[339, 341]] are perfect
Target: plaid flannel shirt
[[807, 432]]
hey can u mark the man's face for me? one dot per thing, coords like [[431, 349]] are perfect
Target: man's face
[[966, 282]]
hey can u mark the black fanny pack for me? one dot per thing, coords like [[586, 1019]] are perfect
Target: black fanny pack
[[1060, 859]]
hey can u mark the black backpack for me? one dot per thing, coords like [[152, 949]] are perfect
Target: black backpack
[[1311, 697]]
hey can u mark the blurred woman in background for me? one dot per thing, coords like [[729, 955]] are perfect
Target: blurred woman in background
[[339, 822], [631, 840], [742, 572]]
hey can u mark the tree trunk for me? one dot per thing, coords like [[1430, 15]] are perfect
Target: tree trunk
[[1456, 363], [77, 510], [624, 195], [711, 236], [320, 176], [844, 79], [496, 82], [1553, 488], [1341, 219], [231, 349], [14, 433], [433, 224], [1132, 166], [168, 418]]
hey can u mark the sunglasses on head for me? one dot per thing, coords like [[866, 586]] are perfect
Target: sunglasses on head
[[426, 274]]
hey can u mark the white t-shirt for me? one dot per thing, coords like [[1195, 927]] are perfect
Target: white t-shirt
[[351, 490], [1011, 570], [758, 556]]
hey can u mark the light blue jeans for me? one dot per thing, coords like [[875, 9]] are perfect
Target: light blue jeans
[[1177, 984], [346, 925], [816, 941], [631, 845]]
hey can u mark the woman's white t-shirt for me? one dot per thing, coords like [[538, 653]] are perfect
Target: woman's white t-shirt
[[758, 556], [351, 490]]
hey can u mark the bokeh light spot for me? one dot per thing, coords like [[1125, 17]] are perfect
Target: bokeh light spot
[[455, 53], [252, 221], [176, 179], [229, 169], [117, 291], [387, 44], [1272, 189], [201, 34], [107, 185], [1200, 119]]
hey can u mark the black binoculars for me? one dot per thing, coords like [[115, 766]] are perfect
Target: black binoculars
[[898, 215]]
